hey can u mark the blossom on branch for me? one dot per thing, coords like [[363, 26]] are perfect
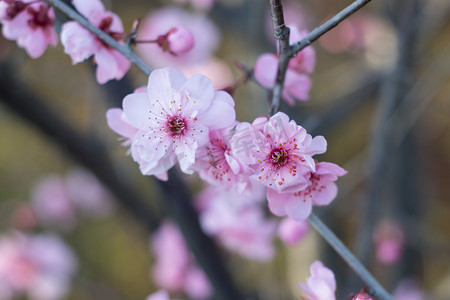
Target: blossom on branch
[[297, 82], [321, 285], [81, 44], [174, 117], [30, 23]]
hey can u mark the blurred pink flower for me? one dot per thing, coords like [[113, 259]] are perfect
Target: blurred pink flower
[[80, 44], [291, 232], [30, 23], [205, 34], [214, 69], [39, 267], [51, 203], [57, 201], [321, 285], [174, 118], [87, 193], [174, 268], [297, 83], [409, 289], [159, 295], [320, 190], [362, 296], [238, 222], [389, 241]]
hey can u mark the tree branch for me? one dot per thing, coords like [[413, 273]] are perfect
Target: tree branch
[[281, 33], [377, 289], [327, 26], [125, 50]]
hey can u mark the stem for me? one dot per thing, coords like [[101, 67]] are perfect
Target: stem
[[125, 50], [377, 289], [327, 26], [281, 33]]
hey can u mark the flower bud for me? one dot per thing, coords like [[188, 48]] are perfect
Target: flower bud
[[362, 296], [177, 41]]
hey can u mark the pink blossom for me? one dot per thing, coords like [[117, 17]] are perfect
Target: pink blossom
[[238, 222], [57, 201], [174, 269], [291, 232], [205, 34], [389, 241], [51, 203], [215, 69], [277, 152], [297, 84], [118, 122], [212, 162], [409, 289], [321, 285], [174, 118], [320, 190], [87, 193], [362, 296], [39, 267], [179, 40], [30, 23], [80, 44], [159, 295]]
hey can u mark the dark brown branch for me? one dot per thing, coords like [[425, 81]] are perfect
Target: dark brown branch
[[281, 33], [327, 26]]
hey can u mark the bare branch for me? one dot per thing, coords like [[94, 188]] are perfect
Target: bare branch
[[327, 26], [281, 33], [125, 50]]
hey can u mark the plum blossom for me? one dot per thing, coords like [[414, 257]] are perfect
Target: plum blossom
[[174, 118], [320, 191], [297, 83], [30, 23], [238, 222], [291, 232], [177, 41], [409, 289], [175, 269], [80, 44], [57, 201], [37, 266], [389, 241], [277, 152], [362, 296], [159, 295], [205, 33], [321, 285]]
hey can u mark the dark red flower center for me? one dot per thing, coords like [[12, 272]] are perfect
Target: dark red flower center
[[14, 8], [40, 17], [278, 157], [176, 125], [105, 26]]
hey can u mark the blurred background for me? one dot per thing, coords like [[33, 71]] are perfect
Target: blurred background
[[379, 96]]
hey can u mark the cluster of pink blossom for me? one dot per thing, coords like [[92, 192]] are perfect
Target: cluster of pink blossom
[[30, 23], [297, 83], [56, 201], [175, 269], [185, 120], [39, 267]]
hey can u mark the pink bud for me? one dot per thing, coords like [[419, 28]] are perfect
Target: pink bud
[[291, 232], [180, 40], [362, 296]]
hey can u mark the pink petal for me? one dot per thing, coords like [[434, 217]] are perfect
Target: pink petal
[[297, 86], [320, 289], [201, 90], [118, 124], [277, 202], [266, 69], [110, 65], [162, 81], [319, 270], [133, 106], [298, 209], [318, 145], [17, 27], [91, 9], [78, 42], [219, 115], [326, 195]]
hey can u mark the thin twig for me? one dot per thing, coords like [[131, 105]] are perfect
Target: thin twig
[[327, 26], [124, 49], [376, 289], [281, 33]]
